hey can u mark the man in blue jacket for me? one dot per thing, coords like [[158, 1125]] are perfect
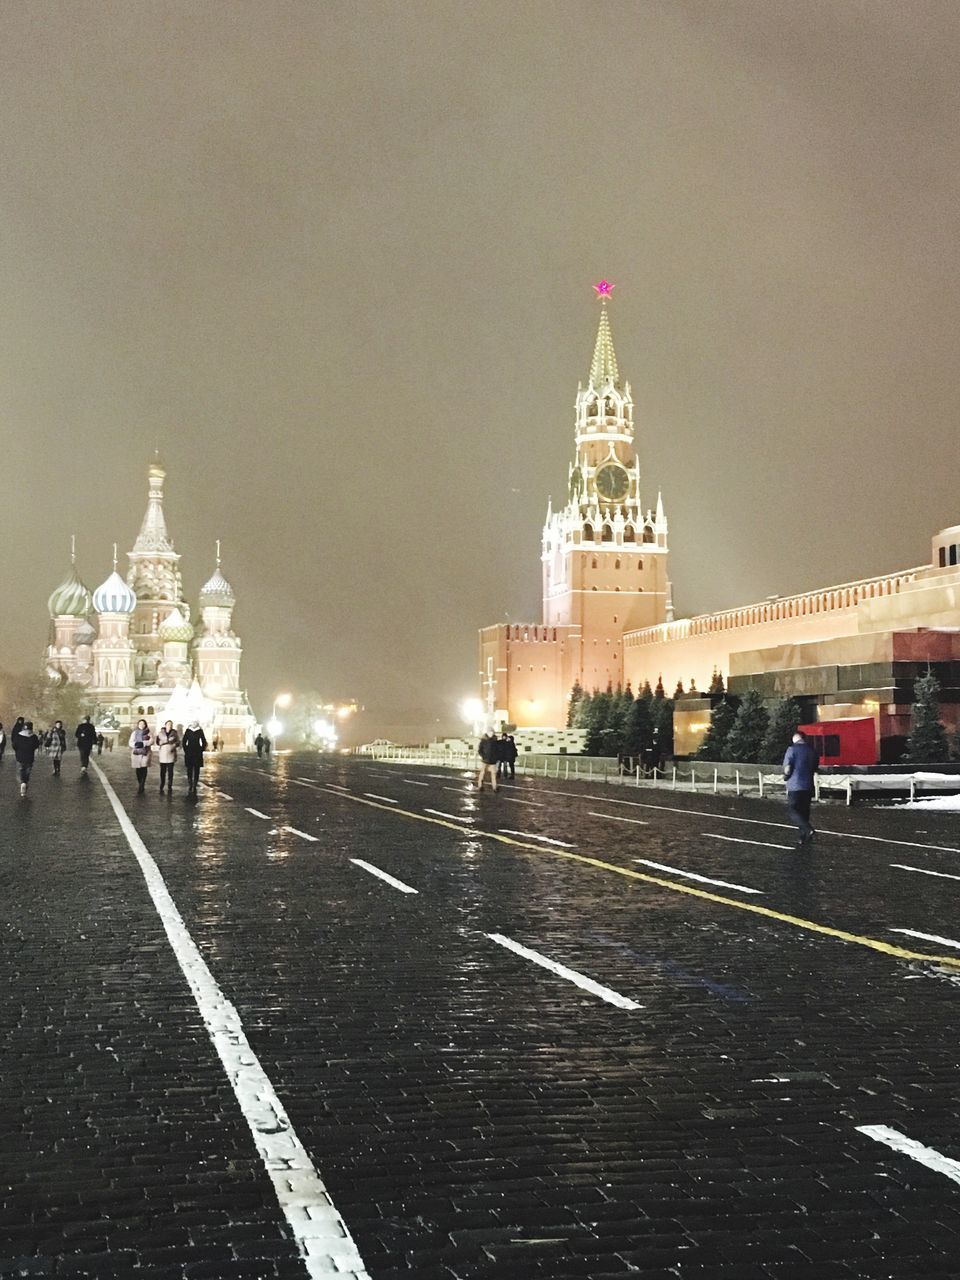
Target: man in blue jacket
[[799, 766]]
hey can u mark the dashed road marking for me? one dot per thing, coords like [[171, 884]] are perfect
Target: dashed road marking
[[304, 835], [322, 1236], [755, 908], [692, 875], [928, 1156], [561, 970], [532, 804], [224, 795], [257, 814], [763, 844], [928, 937], [924, 871], [382, 875], [373, 796], [455, 817], [529, 835], [615, 817], [414, 783]]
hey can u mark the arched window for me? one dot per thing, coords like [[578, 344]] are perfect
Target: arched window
[[647, 533], [593, 563], [639, 564], [616, 564], [606, 534], [629, 535], [588, 533], [149, 711]]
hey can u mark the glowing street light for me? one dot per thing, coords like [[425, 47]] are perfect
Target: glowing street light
[[274, 728]]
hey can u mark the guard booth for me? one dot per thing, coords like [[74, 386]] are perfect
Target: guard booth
[[846, 741]]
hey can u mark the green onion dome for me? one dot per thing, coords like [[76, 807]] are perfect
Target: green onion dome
[[176, 627], [71, 598]]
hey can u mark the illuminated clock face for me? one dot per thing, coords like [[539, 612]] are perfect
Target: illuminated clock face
[[576, 483], [612, 482]]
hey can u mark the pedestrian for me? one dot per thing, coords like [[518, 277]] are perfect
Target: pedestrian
[[258, 743], [510, 755], [194, 745], [3, 743], [56, 745], [140, 753], [99, 744], [799, 766], [86, 736], [267, 744], [26, 744], [487, 751], [17, 726], [168, 740]]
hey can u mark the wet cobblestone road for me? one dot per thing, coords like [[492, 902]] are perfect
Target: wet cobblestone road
[[384, 1025]]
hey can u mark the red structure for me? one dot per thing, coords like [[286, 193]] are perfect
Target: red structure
[[849, 741]]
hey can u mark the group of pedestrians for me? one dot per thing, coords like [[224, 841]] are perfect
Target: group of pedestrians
[[167, 743], [498, 758], [263, 745], [26, 744]]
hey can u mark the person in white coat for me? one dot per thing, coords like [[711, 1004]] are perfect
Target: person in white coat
[[168, 741]]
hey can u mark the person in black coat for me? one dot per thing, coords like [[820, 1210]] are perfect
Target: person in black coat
[[86, 736], [26, 744], [508, 757], [193, 744]]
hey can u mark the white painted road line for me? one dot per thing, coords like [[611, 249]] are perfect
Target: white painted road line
[[615, 817], [373, 796], [915, 1150], [527, 835], [532, 804], [414, 783], [692, 875], [923, 871], [375, 871], [304, 835], [928, 937], [456, 817], [763, 844], [224, 794], [755, 822], [561, 970], [325, 1243], [336, 786], [257, 814]]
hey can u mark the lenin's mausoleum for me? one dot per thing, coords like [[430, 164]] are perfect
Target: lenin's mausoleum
[[846, 651]]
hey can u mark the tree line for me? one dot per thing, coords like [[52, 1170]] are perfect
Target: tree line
[[617, 723]]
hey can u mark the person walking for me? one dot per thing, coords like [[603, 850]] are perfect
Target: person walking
[[168, 740], [86, 736], [194, 745], [3, 743], [56, 745], [799, 767], [267, 744], [99, 744], [17, 726], [509, 750], [141, 757], [487, 751], [258, 743], [26, 744]]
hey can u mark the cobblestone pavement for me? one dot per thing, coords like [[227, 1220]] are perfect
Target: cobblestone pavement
[[611, 1032]]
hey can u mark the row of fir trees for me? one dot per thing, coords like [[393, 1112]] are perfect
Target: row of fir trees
[[620, 724]]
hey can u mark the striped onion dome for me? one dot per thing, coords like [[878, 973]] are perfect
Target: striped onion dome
[[114, 596], [217, 591], [71, 598], [176, 627]]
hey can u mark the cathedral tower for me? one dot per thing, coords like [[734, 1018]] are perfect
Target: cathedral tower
[[154, 573], [604, 557]]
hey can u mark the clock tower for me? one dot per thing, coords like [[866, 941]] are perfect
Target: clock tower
[[604, 557]]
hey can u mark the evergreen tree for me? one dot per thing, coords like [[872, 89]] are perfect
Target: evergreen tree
[[576, 697], [638, 729], [659, 691], [927, 743], [714, 745], [678, 691], [646, 693], [583, 710], [596, 723], [662, 712], [784, 719], [612, 733], [746, 735], [628, 696], [716, 683]]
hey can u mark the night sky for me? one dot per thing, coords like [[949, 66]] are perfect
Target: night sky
[[336, 259]]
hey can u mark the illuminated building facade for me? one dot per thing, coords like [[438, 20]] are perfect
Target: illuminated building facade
[[848, 650], [131, 644]]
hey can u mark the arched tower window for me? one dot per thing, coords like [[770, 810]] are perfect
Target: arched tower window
[[647, 533], [616, 564], [629, 534], [606, 534], [639, 564], [588, 533]]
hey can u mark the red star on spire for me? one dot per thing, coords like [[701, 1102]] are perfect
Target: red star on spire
[[604, 289]]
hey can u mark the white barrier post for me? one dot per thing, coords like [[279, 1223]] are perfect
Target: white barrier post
[[674, 777], [715, 772], [693, 778], [738, 781], [760, 781], [913, 788]]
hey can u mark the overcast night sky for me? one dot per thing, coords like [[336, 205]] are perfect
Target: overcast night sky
[[336, 258]]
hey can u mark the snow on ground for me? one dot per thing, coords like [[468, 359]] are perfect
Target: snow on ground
[[950, 804]]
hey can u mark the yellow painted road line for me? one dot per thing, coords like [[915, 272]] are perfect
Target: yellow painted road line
[[811, 926]]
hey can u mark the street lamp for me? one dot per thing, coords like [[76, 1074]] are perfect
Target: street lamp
[[274, 727]]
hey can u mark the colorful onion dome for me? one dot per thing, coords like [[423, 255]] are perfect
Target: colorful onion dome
[[114, 596], [217, 591], [71, 598], [176, 627]]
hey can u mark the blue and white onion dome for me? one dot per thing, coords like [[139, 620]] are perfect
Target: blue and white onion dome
[[176, 627], [71, 598], [217, 591], [114, 596]]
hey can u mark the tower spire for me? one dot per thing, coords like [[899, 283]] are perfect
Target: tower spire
[[153, 536], [603, 369]]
